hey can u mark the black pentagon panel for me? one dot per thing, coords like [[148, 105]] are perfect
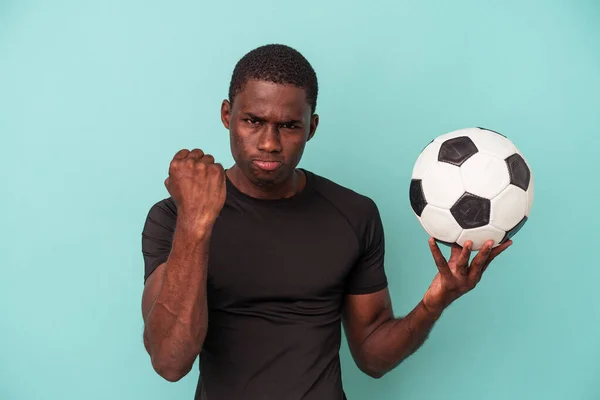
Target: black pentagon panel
[[471, 211], [486, 129], [519, 171], [513, 231], [457, 150], [417, 197]]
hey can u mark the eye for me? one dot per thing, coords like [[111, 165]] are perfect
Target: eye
[[252, 121], [289, 126]]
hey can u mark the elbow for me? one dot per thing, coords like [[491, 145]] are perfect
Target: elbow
[[376, 374], [172, 375], [170, 362], [374, 367], [171, 372], [373, 373], [173, 369]]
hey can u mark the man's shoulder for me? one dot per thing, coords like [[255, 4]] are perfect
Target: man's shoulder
[[165, 208], [344, 197]]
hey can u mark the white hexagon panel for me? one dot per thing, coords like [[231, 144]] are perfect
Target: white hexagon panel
[[485, 175], [508, 208], [440, 224], [442, 185]]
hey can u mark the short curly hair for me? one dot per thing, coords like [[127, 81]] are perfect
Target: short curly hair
[[276, 63]]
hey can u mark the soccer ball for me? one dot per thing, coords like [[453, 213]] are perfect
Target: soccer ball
[[471, 184]]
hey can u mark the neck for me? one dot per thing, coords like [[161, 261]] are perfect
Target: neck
[[280, 190]]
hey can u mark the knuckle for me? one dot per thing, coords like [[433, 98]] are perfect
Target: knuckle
[[189, 162], [215, 170], [174, 165]]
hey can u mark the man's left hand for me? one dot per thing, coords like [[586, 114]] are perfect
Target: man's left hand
[[456, 277]]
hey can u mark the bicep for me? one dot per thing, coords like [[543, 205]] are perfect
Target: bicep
[[363, 314], [157, 236], [368, 273]]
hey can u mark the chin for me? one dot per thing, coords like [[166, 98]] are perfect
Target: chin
[[268, 179]]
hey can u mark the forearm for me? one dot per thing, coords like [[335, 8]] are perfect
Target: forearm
[[177, 321], [396, 339]]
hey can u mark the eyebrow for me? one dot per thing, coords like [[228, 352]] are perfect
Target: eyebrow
[[290, 121], [253, 116]]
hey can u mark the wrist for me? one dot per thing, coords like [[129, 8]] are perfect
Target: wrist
[[433, 311], [198, 227]]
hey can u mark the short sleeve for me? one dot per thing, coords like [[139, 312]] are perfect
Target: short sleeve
[[157, 235], [368, 274]]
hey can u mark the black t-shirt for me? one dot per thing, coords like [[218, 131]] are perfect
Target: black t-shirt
[[277, 276]]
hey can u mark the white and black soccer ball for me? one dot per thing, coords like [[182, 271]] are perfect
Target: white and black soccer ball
[[471, 184]]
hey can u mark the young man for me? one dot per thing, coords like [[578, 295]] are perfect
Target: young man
[[256, 268]]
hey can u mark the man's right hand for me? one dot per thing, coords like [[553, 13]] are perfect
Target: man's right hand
[[197, 185], [174, 304]]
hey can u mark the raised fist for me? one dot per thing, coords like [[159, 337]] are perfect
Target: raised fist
[[197, 185]]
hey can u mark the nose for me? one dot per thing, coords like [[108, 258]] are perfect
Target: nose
[[270, 140]]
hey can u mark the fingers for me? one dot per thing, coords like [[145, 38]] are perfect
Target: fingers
[[480, 261], [439, 259], [199, 156], [459, 258], [462, 263], [196, 154], [181, 154], [496, 252], [486, 255], [455, 252], [207, 159], [191, 158]]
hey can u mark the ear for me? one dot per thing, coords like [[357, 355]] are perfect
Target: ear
[[225, 113], [314, 122]]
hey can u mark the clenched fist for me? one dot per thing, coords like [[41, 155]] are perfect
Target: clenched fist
[[197, 185]]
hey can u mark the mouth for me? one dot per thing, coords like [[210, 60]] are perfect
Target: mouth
[[267, 165]]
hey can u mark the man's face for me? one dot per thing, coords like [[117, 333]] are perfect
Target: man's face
[[269, 126]]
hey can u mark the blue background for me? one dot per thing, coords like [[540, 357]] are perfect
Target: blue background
[[97, 96]]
